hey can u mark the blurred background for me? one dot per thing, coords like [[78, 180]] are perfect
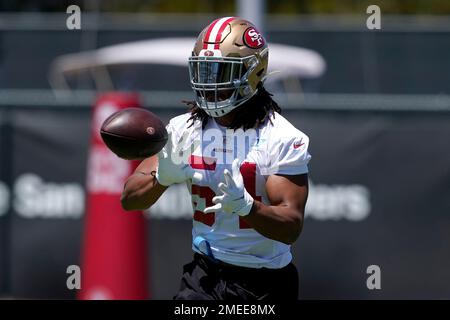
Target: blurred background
[[374, 103]]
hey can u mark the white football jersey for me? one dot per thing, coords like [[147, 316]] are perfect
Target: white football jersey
[[276, 147]]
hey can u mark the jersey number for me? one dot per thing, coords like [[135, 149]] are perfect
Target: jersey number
[[248, 170]]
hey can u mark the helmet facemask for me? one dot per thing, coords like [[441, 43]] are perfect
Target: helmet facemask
[[221, 83]]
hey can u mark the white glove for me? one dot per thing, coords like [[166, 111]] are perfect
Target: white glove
[[235, 199], [173, 163]]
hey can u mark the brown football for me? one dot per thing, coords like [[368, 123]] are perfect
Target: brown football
[[134, 133]]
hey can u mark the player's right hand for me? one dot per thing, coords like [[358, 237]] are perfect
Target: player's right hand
[[173, 162]]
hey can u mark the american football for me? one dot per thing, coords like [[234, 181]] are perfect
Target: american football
[[134, 133]]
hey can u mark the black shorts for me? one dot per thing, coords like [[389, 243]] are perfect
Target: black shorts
[[204, 279]]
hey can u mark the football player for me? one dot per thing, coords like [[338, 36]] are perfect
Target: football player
[[245, 166]]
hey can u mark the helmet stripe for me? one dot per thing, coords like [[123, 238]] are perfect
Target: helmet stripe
[[208, 33], [219, 33], [214, 32]]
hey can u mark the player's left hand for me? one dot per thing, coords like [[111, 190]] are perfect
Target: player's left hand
[[235, 199]]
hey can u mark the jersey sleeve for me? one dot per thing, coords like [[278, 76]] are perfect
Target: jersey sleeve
[[177, 126], [181, 131], [287, 155]]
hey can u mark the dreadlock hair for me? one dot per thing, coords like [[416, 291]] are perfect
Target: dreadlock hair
[[252, 113]]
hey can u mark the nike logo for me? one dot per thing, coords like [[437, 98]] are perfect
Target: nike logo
[[298, 144]]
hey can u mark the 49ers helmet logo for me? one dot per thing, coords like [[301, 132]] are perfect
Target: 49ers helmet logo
[[253, 39]]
